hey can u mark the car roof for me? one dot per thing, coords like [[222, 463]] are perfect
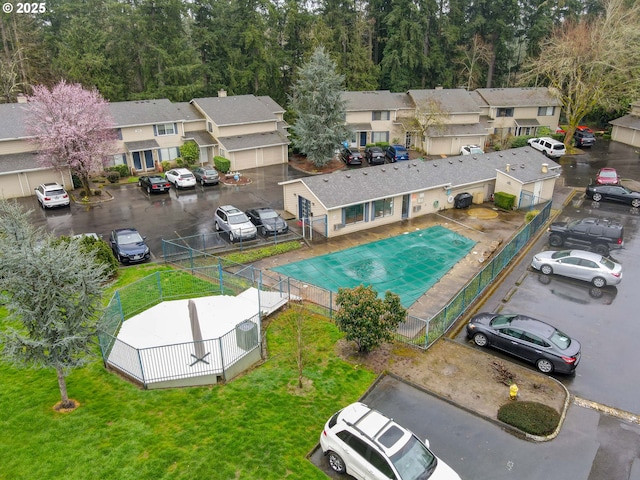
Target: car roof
[[51, 185], [532, 325], [182, 170], [586, 255]]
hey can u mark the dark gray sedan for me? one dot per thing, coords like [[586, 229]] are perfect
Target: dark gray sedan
[[532, 340], [267, 221]]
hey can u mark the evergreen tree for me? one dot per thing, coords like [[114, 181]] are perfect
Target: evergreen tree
[[320, 111], [52, 291]]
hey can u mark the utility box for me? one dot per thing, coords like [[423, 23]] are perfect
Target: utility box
[[462, 200], [247, 335]]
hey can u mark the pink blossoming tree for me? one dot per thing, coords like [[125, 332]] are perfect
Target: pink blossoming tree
[[73, 128]]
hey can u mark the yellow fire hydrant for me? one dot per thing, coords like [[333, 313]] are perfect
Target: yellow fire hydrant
[[513, 391]]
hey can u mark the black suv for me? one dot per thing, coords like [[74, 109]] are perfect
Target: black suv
[[597, 234]]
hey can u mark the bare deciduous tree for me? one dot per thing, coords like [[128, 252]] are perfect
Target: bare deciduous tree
[[593, 62]]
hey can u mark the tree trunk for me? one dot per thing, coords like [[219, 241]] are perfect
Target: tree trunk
[[63, 390]]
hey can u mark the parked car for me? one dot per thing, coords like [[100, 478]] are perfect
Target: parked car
[[52, 195], [395, 153], [154, 183], [598, 234], [267, 221], [470, 150], [206, 176], [367, 445], [374, 155], [613, 193], [351, 157], [235, 223], [588, 266], [607, 176], [129, 246], [181, 178], [525, 337], [584, 139], [550, 147]]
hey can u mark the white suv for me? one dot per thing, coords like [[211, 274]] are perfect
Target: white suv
[[548, 146], [364, 443], [235, 222], [181, 178], [52, 195]]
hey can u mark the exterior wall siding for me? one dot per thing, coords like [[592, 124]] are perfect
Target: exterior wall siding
[[245, 129], [16, 146]]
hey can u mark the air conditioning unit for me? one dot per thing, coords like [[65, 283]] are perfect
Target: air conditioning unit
[[417, 208], [338, 226]]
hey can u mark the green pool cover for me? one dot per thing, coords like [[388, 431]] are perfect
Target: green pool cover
[[408, 264]]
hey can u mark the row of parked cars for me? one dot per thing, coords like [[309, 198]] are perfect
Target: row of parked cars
[[374, 155], [179, 178]]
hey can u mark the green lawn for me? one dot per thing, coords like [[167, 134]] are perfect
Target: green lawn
[[259, 426]]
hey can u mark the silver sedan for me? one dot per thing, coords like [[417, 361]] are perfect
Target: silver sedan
[[587, 266]]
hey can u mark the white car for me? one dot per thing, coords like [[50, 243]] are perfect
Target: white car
[[367, 445], [547, 145], [181, 178], [52, 195], [579, 264], [470, 150]]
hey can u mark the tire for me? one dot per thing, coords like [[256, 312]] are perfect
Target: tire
[[202, 183], [556, 240], [217, 226], [601, 249], [231, 238], [597, 197], [546, 269], [148, 190], [635, 203], [336, 463], [140, 183], [42, 204], [263, 231], [599, 282], [544, 365], [480, 339]]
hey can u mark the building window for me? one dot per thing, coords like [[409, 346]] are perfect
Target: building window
[[165, 129], [169, 153], [379, 137], [505, 112], [120, 159], [119, 133], [353, 214], [381, 115], [209, 127], [546, 111], [383, 208]]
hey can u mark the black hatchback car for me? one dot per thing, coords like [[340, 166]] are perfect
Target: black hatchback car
[[613, 193], [129, 246], [532, 340]]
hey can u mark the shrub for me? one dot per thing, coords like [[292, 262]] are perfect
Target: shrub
[[122, 169], [530, 215], [166, 165], [100, 249], [113, 177], [180, 162], [223, 165], [190, 153], [520, 141], [77, 183], [504, 200], [530, 417]]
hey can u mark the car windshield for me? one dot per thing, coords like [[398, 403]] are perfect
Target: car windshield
[[237, 219], [561, 254], [560, 340], [501, 320], [608, 174], [414, 461], [129, 238], [268, 214]]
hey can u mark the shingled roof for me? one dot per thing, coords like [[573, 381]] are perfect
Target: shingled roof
[[350, 187], [377, 100], [238, 109], [518, 97]]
